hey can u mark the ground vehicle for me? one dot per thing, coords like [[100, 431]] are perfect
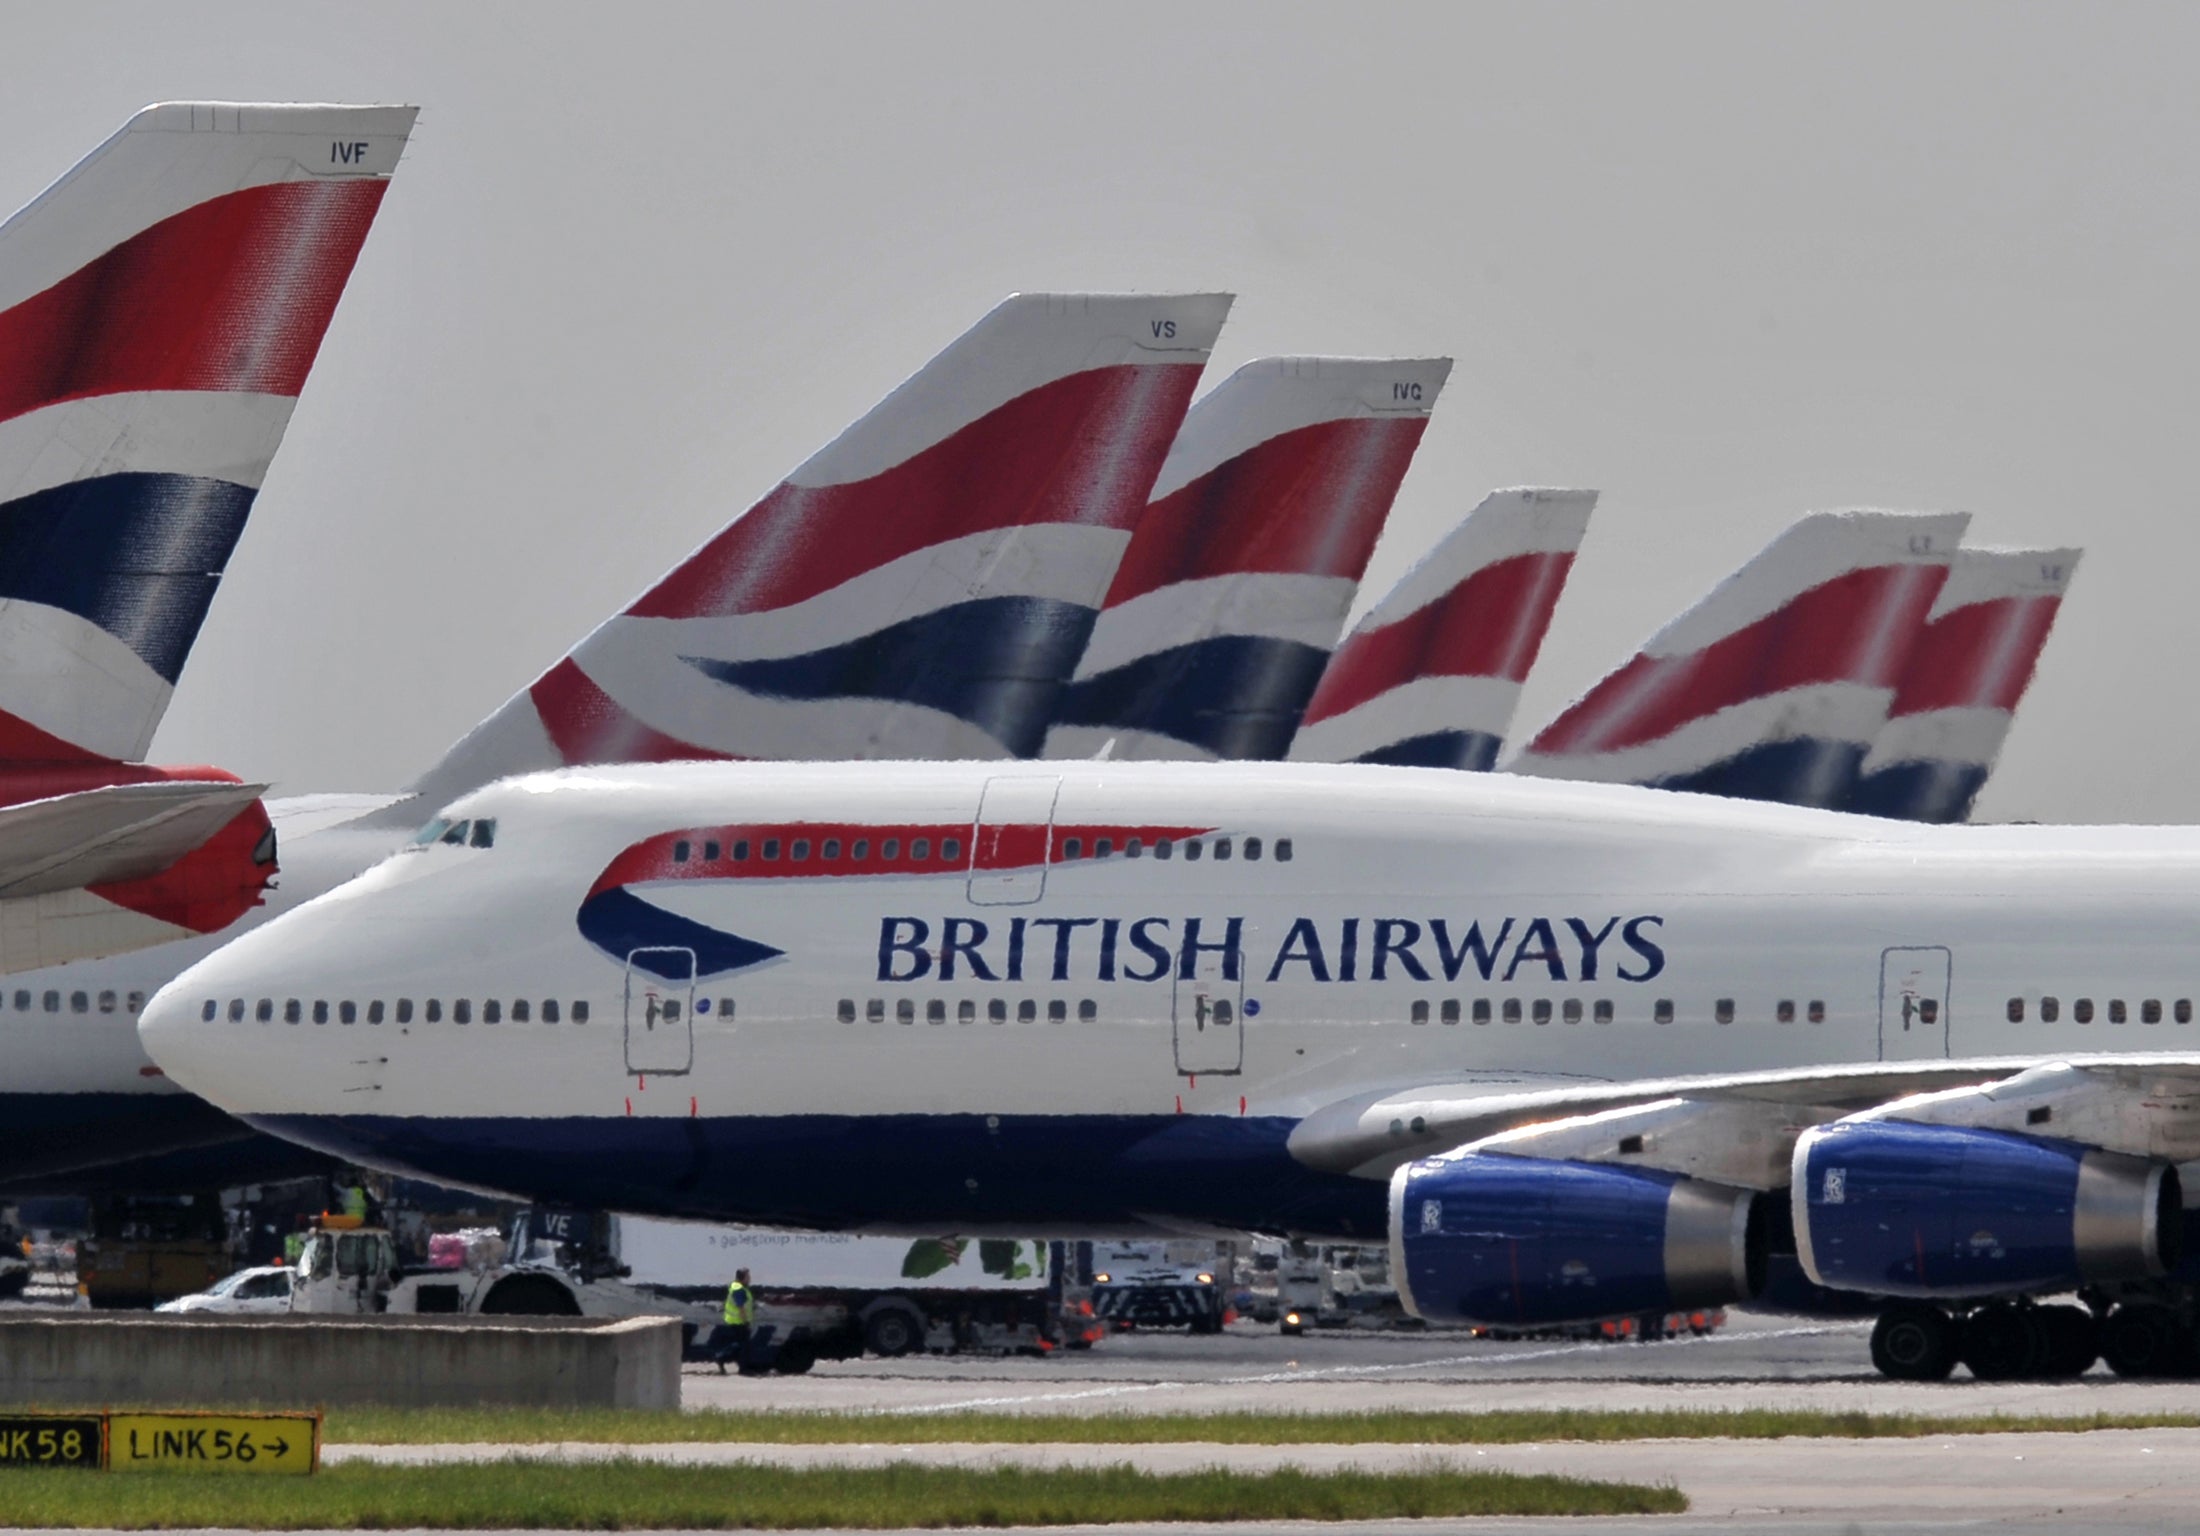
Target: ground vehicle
[[1166, 1285], [146, 1249], [248, 1292], [357, 1271], [15, 1264], [833, 1296]]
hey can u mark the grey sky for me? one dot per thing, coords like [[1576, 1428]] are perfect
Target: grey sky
[[1726, 263]]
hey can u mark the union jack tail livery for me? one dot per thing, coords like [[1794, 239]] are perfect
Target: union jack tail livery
[[160, 306], [1430, 676], [1775, 685], [920, 588], [1236, 584], [1964, 679]]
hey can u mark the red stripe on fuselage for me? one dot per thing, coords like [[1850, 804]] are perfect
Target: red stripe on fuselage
[[1081, 450], [999, 847], [1305, 502], [1489, 625], [234, 294], [1858, 628], [1978, 656]]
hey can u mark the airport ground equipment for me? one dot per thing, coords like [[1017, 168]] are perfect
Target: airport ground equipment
[[146, 1249], [1159, 1285], [355, 1272]]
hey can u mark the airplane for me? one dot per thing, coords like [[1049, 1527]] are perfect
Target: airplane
[[1775, 685], [1573, 1050], [1239, 575], [1963, 682], [1430, 675], [922, 526], [160, 308]]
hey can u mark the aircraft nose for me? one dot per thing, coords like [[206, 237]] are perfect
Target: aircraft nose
[[187, 1031]]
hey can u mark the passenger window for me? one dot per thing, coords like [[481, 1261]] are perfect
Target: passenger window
[[2082, 1010], [935, 1011], [236, 1010], [1450, 1011], [462, 1010], [1163, 848], [672, 1011], [829, 849], [1512, 1010], [680, 851], [1222, 847], [1604, 1010], [519, 1011], [2115, 1010], [23, 1001], [435, 1010], [1928, 1010], [1283, 850], [890, 850], [1026, 1011], [1087, 1010], [1817, 1011], [1784, 1011], [847, 1010], [1662, 1011], [1481, 1010], [347, 1012], [106, 1002], [740, 849], [1058, 1011], [905, 1010], [206, 1014], [1252, 847], [710, 850], [2150, 1011], [860, 849], [874, 1011], [80, 1002], [1102, 847], [950, 848], [1542, 1010], [2050, 1010], [293, 1011], [2016, 1010], [485, 832], [1072, 848], [549, 1010], [996, 1009], [374, 1011], [53, 1002], [492, 1011], [920, 849], [580, 1010], [800, 851], [1191, 849], [320, 1011], [1723, 1010], [1571, 1011], [1226, 1011], [966, 1011], [136, 1002], [264, 1010], [2183, 1012], [1420, 1010], [771, 848], [404, 1010], [1134, 848]]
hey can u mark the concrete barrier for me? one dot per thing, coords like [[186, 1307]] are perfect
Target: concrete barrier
[[281, 1362]]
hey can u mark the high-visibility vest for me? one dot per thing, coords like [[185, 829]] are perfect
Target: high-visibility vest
[[740, 1306], [355, 1202]]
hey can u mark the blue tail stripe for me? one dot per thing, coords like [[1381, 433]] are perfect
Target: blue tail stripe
[[997, 662], [618, 922], [1238, 696], [1936, 792], [1806, 771], [1474, 751], [137, 554]]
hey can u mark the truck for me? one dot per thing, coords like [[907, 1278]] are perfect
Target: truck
[[1175, 1284], [838, 1295], [145, 1249]]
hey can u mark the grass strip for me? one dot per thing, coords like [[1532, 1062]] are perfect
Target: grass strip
[[610, 1426], [630, 1495]]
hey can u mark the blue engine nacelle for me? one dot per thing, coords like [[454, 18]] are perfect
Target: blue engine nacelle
[[1899, 1209], [1482, 1237]]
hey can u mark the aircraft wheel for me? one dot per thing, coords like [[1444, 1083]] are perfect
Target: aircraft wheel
[[1914, 1342], [2073, 1340], [2004, 1342], [2142, 1340], [529, 1296]]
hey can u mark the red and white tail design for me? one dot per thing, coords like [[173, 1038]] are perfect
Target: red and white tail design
[[1238, 580], [160, 307], [1774, 685], [919, 588], [1960, 691], [1429, 677]]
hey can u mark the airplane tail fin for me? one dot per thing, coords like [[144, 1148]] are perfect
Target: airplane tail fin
[[1775, 684], [1241, 572], [921, 587], [1961, 687], [160, 307], [1429, 677]]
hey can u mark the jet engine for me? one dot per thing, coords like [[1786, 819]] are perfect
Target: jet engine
[[1903, 1209], [1491, 1238]]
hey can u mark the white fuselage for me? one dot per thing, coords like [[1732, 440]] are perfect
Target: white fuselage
[[908, 1045]]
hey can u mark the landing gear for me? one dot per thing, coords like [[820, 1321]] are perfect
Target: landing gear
[[1914, 1342], [2144, 1339], [2017, 1340], [2003, 1341]]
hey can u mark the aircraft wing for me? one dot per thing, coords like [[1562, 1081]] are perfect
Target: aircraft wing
[[1741, 1127], [117, 832]]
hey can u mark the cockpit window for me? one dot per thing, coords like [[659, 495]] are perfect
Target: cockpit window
[[477, 832], [431, 832], [456, 836], [485, 832]]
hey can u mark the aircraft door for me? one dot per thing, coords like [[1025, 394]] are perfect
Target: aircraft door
[[1012, 841], [1913, 1003], [1208, 1007], [660, 1011]]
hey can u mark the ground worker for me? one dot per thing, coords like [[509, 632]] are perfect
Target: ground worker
[[736, 1320]]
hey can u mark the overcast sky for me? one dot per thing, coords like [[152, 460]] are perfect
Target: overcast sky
[[1725, 263]]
